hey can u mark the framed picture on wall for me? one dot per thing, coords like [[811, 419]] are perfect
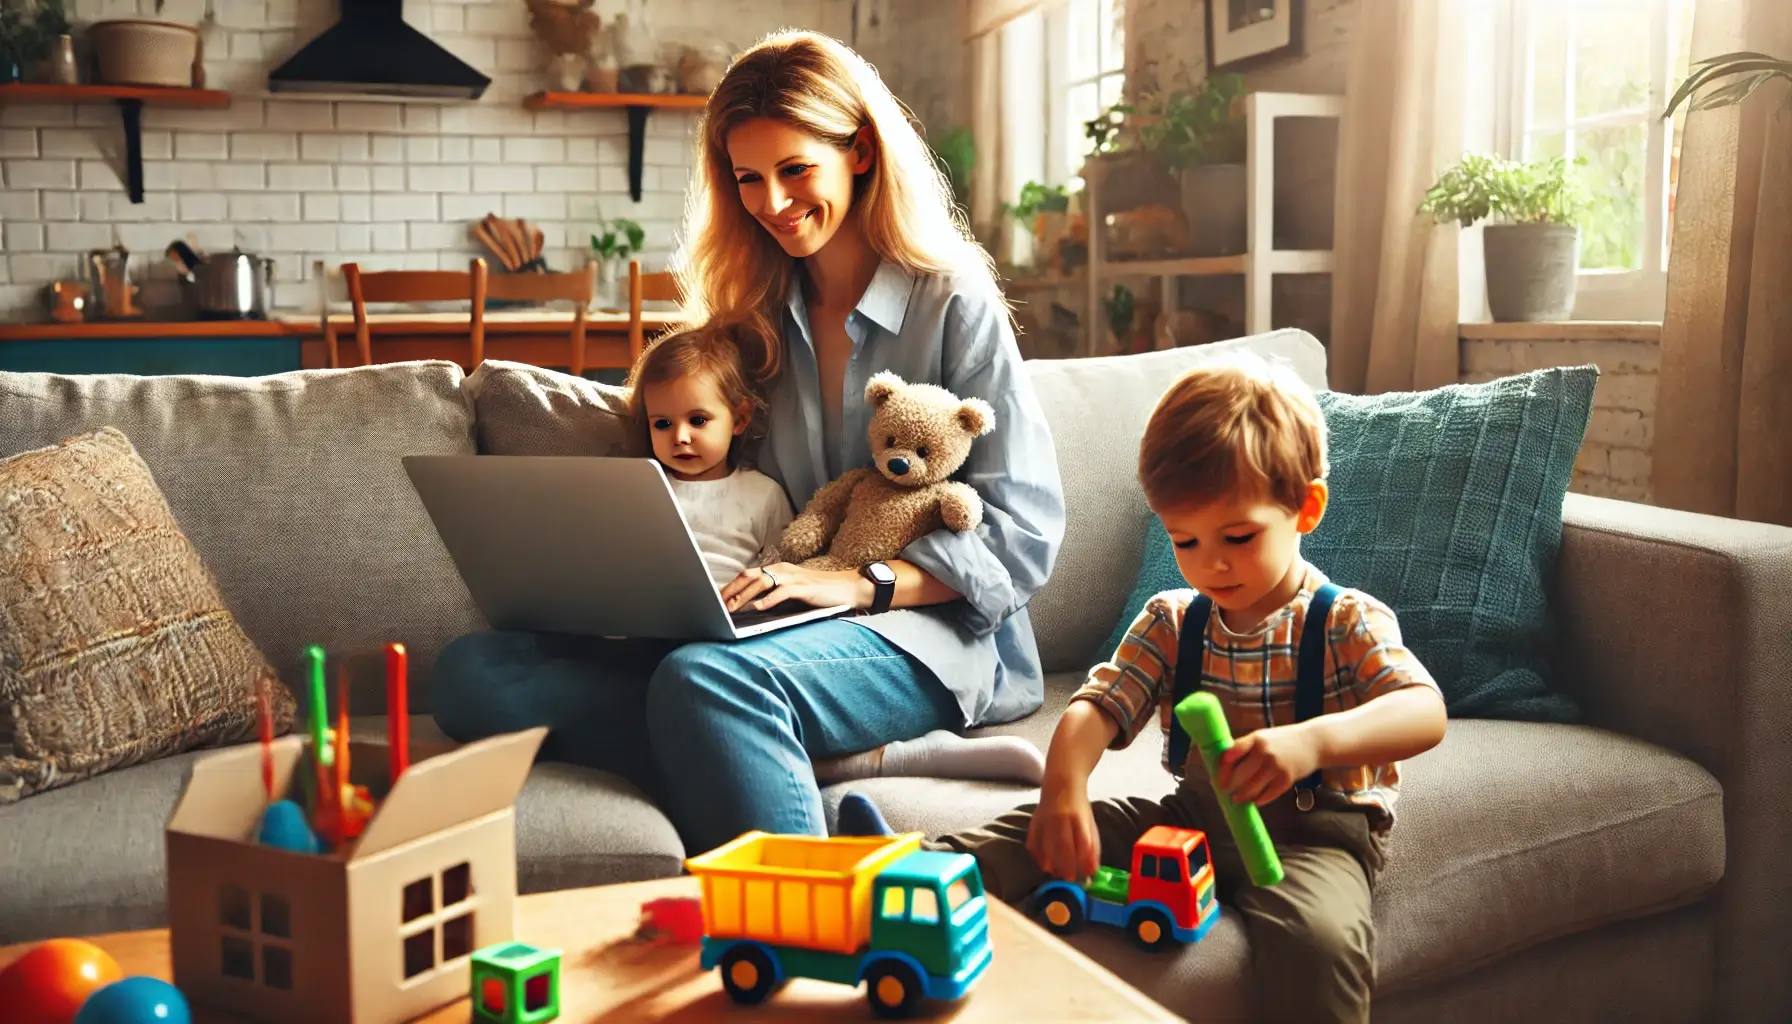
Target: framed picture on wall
[[1244, 32]]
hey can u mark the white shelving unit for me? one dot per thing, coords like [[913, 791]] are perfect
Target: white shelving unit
[[1259, 263]]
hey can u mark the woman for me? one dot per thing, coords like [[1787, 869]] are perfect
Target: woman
[[820, 226]]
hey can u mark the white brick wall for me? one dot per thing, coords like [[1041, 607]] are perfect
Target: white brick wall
[[386, 183], [1615, 458]]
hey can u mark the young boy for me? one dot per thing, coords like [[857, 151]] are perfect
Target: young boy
[[1233, 463]]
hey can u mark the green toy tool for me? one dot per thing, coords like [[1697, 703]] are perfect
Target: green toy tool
[[1205, 722]]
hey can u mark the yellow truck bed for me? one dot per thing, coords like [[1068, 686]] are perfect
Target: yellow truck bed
[[795, 890]]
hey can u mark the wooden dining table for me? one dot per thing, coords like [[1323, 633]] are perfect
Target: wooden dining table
[[539, 337]]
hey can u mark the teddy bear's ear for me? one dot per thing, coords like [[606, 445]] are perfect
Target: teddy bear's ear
[[976, 417], [883, 384]]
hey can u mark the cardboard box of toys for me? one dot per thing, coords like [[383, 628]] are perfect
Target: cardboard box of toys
[[304, 888]]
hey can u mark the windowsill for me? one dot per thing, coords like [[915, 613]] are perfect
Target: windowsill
[[1567, 330]]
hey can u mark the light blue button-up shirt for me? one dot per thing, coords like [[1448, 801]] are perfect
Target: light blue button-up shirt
[[931, 330]]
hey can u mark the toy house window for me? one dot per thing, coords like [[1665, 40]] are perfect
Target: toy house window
[[437, 931], [926, 908], [254, 929]]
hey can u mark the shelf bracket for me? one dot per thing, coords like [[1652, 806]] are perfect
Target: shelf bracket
[[637, 145], [131, 112]]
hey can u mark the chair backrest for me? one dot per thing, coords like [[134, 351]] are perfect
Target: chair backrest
[[417, 286], [574, 286], [643, 287]]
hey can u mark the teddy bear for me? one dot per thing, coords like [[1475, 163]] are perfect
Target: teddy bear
[[920, 435]]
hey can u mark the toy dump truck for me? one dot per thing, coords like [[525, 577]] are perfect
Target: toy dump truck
[[1167, 896], [908, 923]]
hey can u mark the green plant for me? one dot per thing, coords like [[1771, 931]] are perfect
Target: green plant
[[1120, 309], [51, 20], [621, 238], [1198, 128], [956, 155], [1749, 72], [1492, 188], [23, 39], [1036, 199], [1103, 132]]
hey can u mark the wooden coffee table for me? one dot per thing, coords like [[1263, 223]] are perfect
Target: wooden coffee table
[[608, 976]]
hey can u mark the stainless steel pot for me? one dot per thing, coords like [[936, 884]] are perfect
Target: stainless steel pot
[[233, 285]]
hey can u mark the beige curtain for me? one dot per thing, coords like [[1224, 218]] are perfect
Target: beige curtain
[[1723, 420], [1394, 285]]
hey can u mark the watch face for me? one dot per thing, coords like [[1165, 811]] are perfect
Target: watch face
[[881, 573]]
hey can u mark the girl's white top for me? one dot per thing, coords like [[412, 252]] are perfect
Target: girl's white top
[[736, 520]]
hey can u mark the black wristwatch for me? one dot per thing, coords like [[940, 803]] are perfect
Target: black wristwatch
[[884, 579]]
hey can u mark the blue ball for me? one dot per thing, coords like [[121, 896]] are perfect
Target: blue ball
[[135, 1000], [283, 825]]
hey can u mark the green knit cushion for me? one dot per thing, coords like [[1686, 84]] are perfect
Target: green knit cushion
[[1447, 505]]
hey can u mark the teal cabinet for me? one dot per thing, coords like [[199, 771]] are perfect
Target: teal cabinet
[[229, 357]]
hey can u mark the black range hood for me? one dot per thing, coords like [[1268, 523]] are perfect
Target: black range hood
[[372, 51]]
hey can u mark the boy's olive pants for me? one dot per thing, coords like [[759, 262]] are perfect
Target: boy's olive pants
[[1312, 941]]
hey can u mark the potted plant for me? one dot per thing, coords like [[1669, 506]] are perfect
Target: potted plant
[[1045, 210], [1120, 309], [1531, 244], [22, 44], [1198, 136], [1129, 177], [619, 240]]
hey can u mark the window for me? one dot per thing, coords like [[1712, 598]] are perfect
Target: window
[[926, 907], [959, 893], [1589, 79], [428, 927], [1061, 64], [256, 929], [1171, 871], [895, 903], [1148, 866]]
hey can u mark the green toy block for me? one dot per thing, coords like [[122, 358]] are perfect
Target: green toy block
[[1110, 884], [516, 983]]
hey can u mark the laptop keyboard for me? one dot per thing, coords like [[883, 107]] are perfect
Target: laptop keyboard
[[747, 618]]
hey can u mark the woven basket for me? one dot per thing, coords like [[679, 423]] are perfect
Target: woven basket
[[135, 52]]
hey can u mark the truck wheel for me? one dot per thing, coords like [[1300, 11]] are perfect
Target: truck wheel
[[1061, 913], [748, 974], [1150, 928], [893, 988]]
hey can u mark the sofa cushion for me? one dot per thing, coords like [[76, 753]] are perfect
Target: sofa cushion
[[575, 827], [1097, 410], [292, 489], [528, 410], [115, 646], [1447, 505], [1509, 834]]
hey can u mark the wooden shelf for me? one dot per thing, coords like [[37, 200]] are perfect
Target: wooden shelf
[[597, 100], [638, 106], [195, 99], [130, 100]]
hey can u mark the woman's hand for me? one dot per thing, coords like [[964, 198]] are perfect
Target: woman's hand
[[771, 585], [1264, 764], [1061, 836]]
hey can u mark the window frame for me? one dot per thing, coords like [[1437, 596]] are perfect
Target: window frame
[[1600, 294]]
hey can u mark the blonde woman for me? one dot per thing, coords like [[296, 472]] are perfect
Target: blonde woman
[[820, 229]]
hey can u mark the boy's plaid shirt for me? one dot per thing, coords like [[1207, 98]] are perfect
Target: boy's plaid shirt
[[1253, 675]]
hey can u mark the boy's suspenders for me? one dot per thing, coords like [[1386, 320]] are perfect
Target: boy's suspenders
[[1309, 685]]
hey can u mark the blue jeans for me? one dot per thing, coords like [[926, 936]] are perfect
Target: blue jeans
[[721, 734]]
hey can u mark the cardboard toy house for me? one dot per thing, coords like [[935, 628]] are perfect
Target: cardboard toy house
[[380, 932]]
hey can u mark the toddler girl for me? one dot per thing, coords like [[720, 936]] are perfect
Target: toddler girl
[[700, 405]]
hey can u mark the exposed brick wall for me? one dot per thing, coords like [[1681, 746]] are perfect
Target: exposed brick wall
[[1615, 458], [388, 183]]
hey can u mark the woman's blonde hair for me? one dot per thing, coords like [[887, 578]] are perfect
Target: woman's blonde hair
[[730, 268]]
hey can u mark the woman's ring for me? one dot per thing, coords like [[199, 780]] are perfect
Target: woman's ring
[[769, 576]]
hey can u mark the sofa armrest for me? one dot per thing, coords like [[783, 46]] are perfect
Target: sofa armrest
[[1676, 628]]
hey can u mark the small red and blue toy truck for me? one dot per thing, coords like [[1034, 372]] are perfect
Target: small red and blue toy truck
[[1167, 897], [908, 923]]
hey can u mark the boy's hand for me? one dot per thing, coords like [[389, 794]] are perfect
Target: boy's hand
[[1264, 764], [1061, 836]]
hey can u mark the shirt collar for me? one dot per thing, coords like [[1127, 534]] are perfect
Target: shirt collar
[[885, 302]]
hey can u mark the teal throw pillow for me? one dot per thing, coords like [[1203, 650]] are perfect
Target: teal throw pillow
[[1447, 505], [1157, 573]]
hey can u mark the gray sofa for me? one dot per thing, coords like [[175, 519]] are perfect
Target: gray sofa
[[1625, 869]]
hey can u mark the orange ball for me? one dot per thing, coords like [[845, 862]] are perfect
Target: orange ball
[[49, 984]]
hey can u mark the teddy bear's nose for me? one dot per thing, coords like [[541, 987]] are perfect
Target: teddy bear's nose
[[898, 465]]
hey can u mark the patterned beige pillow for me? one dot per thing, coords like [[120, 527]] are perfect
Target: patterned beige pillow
[[115, 645]]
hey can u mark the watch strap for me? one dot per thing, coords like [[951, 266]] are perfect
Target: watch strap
[[883, 592]]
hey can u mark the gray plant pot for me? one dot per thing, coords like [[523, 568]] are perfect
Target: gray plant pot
[[1531, 270], [1213, 201]]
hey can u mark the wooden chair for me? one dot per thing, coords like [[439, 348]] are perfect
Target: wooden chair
[[575, 286], [660, 287], [412, 286]]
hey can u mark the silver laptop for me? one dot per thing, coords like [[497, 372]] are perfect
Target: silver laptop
[[584, 545]]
